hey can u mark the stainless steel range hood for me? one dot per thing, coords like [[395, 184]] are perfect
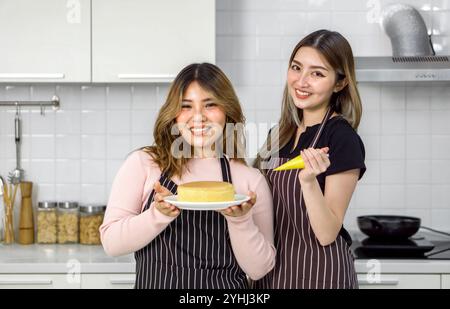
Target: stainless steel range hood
[[402, 69], [413, 57]]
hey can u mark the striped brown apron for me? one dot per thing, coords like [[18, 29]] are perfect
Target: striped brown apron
[[301, 262], [193, 252]]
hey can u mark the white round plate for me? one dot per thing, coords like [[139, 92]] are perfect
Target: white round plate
[[238, 200]]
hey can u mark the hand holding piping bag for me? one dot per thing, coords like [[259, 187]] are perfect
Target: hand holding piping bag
[[316, 162], [298, 162]]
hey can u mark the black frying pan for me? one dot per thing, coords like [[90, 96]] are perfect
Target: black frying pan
[[388, 226]]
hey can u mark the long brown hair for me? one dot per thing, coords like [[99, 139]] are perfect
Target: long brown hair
[[214, 81], [347, 102]]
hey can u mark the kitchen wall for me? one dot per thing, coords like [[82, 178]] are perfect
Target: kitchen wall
[[74, 153]]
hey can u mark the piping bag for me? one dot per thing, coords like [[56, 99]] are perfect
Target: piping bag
[[292, 164], [295, 163]]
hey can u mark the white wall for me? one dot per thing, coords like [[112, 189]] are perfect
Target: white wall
[[405, 128], [75, 152]]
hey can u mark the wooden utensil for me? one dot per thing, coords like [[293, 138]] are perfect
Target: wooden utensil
[[9, 229], [3, 206], [26, 222]]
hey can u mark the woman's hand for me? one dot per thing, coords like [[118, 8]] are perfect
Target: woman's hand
[[164, 207], [316, 162], [240, 210]]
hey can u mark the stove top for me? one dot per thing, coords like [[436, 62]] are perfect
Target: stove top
[[416, 247]]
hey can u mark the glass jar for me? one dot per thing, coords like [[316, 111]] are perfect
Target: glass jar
[[67, 222], [91, 217], [46, 222]]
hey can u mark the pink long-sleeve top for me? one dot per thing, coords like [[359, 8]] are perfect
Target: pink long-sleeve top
[[126, 228]]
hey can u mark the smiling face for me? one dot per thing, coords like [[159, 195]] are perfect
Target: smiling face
[[201, 120], [311, 80]]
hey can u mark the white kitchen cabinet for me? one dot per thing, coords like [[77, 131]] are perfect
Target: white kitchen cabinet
[[150, 41], [38, 281], [400, 281], [45, 41], [445, 281], [107, 281]]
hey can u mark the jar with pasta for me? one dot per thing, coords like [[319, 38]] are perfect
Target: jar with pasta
[[46, 222], [67, 222], [91, 217]]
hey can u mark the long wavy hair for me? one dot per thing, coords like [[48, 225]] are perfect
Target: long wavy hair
[[347, 102], [214, 81]]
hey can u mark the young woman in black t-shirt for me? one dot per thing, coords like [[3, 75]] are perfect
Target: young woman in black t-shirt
[[321, 110]]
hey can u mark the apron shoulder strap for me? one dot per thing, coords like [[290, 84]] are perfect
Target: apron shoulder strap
[[165, 181], [322, 125], [226, 170]]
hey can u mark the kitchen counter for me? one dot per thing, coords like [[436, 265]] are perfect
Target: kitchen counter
[[403, 266], [38, 258]]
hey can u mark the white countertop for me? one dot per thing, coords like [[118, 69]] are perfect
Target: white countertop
[[400, 266], [39, 258]]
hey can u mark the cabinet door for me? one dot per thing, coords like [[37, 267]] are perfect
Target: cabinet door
[[38, 281], [150, 40], [107, 281], [445, 282], [45, 41], [400, 281]]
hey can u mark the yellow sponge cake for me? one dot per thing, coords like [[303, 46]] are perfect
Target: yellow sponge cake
[[206, 191]]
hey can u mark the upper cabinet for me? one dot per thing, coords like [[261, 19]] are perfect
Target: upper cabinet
[[45, 41], [103, 40], [150, 40]]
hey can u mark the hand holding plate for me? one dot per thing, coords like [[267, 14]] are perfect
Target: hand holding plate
[[164, 207], [242, 209]]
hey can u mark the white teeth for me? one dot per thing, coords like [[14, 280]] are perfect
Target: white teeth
[[200, 130], [302, 93]]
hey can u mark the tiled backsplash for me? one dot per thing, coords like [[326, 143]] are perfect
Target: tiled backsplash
[[74, 153]]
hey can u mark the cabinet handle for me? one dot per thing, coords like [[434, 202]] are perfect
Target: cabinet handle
[[383, 281], [122, 281], [26, 281], [162, 78], [33, 75]]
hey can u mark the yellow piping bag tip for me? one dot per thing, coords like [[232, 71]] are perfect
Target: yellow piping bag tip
[[295, 163]]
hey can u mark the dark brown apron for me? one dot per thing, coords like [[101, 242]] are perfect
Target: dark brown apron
[[301, 262], [193, 252]]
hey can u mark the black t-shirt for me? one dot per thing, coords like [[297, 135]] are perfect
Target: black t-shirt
[[346, 147]]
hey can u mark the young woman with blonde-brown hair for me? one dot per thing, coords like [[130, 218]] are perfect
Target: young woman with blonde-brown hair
[[179, 248], [321, 109]]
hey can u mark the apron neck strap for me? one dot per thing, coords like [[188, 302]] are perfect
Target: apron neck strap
[[322, 125], [226, 170]]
